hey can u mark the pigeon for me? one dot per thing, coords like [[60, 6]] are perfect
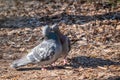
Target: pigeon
[[65, 41], [46, 53]]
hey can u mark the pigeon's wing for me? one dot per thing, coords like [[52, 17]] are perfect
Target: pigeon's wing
[[43, 53]]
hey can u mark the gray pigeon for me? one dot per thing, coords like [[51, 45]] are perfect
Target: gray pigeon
[[45, 53], [65, 41]]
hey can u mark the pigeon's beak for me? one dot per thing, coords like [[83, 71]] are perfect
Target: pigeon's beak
[[53, 26]]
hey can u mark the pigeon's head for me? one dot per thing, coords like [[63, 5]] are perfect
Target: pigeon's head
[[46, 30], [55, 27]]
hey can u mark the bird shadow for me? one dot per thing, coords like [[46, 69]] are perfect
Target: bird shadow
[[90, 62], [113, 78], [39, 68], [76, 62]]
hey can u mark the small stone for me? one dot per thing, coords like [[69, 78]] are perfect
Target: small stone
[[118, 27], [100, 30]]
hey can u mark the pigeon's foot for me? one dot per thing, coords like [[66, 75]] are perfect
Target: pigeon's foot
[[43, 68], [53, 64], [65, 61]]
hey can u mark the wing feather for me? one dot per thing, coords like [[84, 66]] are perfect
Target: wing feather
[[43, 52]]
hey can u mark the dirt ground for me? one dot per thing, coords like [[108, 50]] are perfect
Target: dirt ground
[[94, 35]]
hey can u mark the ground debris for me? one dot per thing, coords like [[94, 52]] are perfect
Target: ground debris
[[94, 35]]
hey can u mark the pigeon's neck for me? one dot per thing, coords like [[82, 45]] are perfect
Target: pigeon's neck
[[51, 35], [59, 34]]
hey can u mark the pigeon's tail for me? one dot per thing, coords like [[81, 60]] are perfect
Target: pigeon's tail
[[20, 62]]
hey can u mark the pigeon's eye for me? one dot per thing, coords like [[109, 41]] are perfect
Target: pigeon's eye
[[51, 29]]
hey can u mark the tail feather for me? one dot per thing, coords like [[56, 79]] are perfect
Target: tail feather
[[21, 62]]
